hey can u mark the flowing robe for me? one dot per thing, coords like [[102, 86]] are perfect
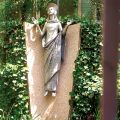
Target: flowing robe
[[52, 59]]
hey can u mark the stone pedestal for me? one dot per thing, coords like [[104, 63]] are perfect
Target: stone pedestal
[[50, 108]]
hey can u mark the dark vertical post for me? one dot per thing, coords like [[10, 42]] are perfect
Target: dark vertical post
[[111, 25]]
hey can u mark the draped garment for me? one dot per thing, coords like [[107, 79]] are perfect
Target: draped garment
[[52, 59]]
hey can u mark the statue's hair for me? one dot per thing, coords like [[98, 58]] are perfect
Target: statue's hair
[[52, 5]]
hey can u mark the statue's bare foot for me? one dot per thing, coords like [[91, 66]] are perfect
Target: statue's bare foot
[[53, 94], [46, 93]]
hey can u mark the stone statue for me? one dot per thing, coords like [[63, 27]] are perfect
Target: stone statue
[[51, 41]]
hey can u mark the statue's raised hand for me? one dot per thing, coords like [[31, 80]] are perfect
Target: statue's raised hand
[[37, 24], [69, 22], [34, 21]]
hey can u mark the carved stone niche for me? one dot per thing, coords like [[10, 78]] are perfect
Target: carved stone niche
[[50, 108]]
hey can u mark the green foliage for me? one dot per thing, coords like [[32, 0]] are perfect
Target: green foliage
[[75, 3], [87, 74], [41, 21], [42, 4], [13, 82], [118, 91], [98, 5], [14, 100], [73, 18], [3, 116]]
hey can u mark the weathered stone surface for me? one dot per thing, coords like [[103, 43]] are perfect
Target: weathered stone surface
[[50, 108]]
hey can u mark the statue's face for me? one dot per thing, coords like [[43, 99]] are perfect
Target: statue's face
[[51, 11]]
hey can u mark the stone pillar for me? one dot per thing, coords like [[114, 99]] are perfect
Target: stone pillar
[[50, 108]]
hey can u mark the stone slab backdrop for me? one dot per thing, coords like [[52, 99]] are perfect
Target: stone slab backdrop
[[50, 108]]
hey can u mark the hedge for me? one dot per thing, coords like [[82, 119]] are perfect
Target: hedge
[[87, 85]]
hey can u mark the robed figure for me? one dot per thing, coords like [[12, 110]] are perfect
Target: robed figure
[[53, 52]]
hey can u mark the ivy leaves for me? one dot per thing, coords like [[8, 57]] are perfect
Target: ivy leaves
[[87, 74], [13, 83]]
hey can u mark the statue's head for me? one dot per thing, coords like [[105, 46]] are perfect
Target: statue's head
[[52, 9]]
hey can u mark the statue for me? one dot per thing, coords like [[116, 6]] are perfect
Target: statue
[[52, 42]]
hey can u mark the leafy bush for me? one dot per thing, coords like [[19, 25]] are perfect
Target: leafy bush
[[13, 83], [87, 75], [14, 98], [118, 91]]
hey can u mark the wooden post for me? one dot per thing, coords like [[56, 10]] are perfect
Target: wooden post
[[111, 36]]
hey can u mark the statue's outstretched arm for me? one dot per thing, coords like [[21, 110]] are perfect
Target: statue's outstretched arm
[[42, 32], [60, 27]]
